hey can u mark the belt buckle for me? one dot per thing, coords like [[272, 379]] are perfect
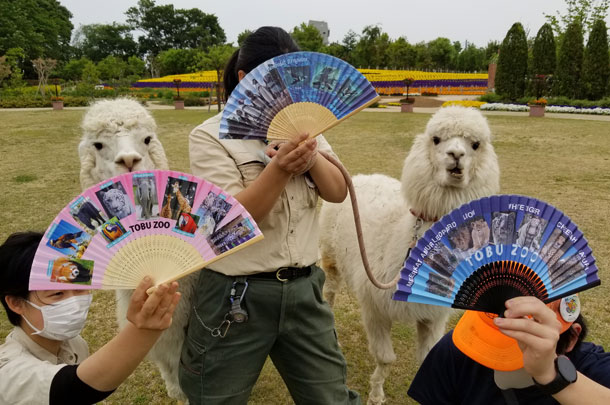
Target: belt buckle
[[277, 275]]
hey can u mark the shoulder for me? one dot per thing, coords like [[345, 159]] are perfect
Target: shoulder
[[24, 379], [591, 360]]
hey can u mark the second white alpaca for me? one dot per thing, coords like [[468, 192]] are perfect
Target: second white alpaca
[[451, 163]]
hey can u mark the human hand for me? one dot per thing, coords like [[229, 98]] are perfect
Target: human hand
[[153, 311], [296, 156], [536, 329]]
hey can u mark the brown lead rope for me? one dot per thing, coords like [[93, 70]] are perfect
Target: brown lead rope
[[352, 195]]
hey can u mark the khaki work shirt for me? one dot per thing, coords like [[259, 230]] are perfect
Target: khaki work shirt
[[291, 227], [27, 369]]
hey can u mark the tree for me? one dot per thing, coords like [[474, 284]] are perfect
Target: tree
[[472, 59], [216, 59], [5, 69], [596, 63], [544, 52], [14, 59], [585, 11], [349, 44], [112, 68], [42, 28], [442, 53], [422, 59], [165, 27], [43, 68], [135, 68], [90, 75], [370, 51], [337, 50], [308, 38], [96, 41], [512, 64], [569, 66], [178, 61], [491, 52], [401, 54], [73, 70], [242, 37]]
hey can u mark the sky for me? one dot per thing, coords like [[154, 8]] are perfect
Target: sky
[[475, 21]]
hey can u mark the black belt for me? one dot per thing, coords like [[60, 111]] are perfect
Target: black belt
[[283, 273]]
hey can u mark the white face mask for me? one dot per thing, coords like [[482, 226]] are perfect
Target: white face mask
[[64, 319]]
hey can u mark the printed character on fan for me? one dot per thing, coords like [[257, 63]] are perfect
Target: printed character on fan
[[566, 269], [274, 83], [87, 214], [480, 233], [115, 201], [441, 260], [264, 92], [530, 232], [179, 196], [439, 285], [68, 239], [75, 271], [187, 223], [554, 248], [112, 230], [503, 228], [230, 235], [145, 193], [297, 76], [325, 78], [257, 101], [460, 239]]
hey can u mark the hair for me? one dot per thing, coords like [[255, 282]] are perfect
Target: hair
[[16, 257], [568, 336], [258, 47]]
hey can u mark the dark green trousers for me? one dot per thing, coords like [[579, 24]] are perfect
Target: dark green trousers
[[290, 322]]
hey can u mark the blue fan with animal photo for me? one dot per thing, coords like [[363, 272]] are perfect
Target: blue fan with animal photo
[[293, 94], [496, 248]]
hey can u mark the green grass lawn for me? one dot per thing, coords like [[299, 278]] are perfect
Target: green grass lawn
[[564, 162]]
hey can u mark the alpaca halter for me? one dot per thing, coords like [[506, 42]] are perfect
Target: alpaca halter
[[422, 217], [419, 220]]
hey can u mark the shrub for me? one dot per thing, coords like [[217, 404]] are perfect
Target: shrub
[[429, 94], [491, 98], [596, 63], [569, 66], [512, 63]]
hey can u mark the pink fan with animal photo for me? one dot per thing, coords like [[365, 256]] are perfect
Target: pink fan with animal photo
[[159, 223]]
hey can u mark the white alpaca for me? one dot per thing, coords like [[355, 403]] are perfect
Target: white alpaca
[[452, 163], [119, 137]]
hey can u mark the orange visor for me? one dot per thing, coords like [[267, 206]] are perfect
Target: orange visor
[[477, 336]]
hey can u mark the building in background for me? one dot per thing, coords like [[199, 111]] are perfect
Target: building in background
[[322, 27]]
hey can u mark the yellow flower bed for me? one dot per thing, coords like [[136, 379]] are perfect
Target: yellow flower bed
[[464, 103], [391, 75]]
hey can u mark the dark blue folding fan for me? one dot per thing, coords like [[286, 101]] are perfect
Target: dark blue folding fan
[[293, 94], [495, 248]]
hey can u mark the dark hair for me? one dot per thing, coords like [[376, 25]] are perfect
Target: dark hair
[[566, 337], [258, 47], [16, 258]]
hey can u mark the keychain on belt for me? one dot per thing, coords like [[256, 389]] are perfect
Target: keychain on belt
[[238, 314]]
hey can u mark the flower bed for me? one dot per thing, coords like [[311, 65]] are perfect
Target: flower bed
[[464, 103], [549, 109]]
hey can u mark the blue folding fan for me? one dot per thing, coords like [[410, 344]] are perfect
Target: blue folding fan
[[294, 94], [496, 248]]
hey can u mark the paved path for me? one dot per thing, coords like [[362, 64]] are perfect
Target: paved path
[[389, 109]]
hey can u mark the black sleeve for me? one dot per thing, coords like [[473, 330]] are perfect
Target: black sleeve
[[435, 380], [67, 388]]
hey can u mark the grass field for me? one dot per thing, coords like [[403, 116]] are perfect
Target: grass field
[[564, 162]]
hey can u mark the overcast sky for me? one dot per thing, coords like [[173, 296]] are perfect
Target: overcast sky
[[477, 21]]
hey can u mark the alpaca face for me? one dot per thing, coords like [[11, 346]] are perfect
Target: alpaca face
[[457, 141], [119, 137]]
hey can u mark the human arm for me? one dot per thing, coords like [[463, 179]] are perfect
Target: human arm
[[148, 316], [536, 329], [291, 158], [327, 177]]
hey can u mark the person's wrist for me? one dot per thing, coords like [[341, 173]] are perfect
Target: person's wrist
[[547, 376]]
